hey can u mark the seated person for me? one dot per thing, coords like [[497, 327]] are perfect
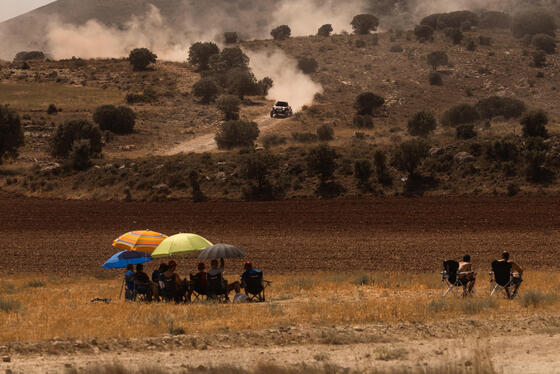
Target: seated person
[[466, 275], [129, 281], [143, 285], [157, 272], [516, 273], [174, 286], [201, 286], [215, 270], [248, 270]]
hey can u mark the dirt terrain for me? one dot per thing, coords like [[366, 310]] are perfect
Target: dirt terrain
[[55, 236], [526, 345]]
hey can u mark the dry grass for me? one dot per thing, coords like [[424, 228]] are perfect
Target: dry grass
[[25, 96], [62, 307]]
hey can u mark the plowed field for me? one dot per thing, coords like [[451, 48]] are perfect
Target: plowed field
[[69, 237]]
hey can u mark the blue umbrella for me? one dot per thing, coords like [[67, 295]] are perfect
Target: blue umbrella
[[123, 258]]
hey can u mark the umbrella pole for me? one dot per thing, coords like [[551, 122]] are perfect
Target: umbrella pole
[[122, 286]]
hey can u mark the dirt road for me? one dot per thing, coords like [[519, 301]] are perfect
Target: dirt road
[[386, 234], [206, 142]]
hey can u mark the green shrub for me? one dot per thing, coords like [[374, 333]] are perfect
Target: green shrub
[[237, 134], [363, 122], [495, 20], [230, 37], [35, 284], [140, 58], [396, 49], [437, 58], [409, 155], [200, 54], [256, 167], [80, 155], [325, 133], [307, 64], [271, 140], [465, 132], [321, 161], [545, 43], [484, 40], [119, 120], [381, 169], [11, 132], [65, 135], [536, 298], [9, 305], [148, 96], [534, 124], [241, 82], [205, 89], [454, 34], [435, 79], [422, 124], [495, 106], [533, 21], [457, 19], [229, 106], [460, 115], [502, 150], [52, 109], [362, 171], [228, 59], [539, 59], [281, 32], [325, 30], [367, 102], [304, 137], [29, 55], [364, 23], [423, 32]]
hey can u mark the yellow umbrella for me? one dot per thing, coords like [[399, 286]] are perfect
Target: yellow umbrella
[[180, 243], [141, 240]]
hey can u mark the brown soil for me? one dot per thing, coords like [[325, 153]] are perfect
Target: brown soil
[[408, 346], [55, 236]]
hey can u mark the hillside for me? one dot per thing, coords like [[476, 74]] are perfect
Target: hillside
[[174, 132]]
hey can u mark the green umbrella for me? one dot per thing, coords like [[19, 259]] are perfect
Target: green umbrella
[[180, 243]]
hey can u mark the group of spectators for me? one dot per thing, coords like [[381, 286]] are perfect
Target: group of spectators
[[166, 284]]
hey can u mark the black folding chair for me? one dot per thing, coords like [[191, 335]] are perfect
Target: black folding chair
[[501, 278], [255, 285], [216, 289], [196, 286], [449, 278]]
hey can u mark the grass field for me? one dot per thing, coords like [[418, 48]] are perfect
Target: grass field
[[27, 97], [35, 310]]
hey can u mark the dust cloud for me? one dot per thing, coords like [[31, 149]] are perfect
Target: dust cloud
[[290, 83]]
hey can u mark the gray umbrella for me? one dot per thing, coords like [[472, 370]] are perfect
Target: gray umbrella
[[221, 251]]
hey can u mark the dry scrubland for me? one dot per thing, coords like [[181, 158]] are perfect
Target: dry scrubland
[[393, 314], [175, 120]]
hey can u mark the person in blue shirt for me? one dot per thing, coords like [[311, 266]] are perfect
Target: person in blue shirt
[[129, 280], [248, 271]]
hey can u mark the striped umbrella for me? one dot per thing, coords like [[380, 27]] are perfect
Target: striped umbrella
[[142, 240]]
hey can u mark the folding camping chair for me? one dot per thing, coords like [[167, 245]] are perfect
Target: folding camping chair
[[255, 285], [501, 278], [196, 286], [216, 288], [449, 278]]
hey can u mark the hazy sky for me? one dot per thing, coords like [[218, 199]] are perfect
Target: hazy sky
[[12, 8]]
